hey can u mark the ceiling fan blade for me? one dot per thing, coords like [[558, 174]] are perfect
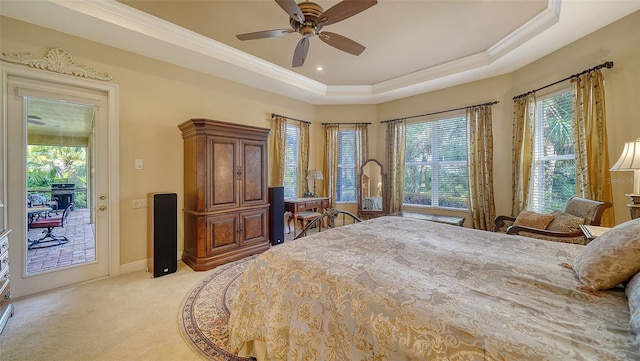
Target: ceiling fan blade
[[291, 8], [340, 42], [344, 9], [264, 34], [300, 54]]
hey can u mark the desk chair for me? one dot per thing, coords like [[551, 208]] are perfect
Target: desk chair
[[306, 217], [50, 223], [329, 217]]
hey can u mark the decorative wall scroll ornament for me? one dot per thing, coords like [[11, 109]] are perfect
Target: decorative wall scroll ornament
[[57, 60]]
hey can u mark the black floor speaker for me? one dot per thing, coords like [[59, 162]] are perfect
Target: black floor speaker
[[162, 233], [276, 215]]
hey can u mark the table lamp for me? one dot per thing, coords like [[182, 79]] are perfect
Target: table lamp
[[630, 161], [314, 174]]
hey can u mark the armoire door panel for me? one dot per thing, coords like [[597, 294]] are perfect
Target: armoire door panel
[[254, 181], [222, 230], [254, 225], [222, 178]]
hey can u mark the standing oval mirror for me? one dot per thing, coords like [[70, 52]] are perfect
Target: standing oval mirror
[[371, 184]]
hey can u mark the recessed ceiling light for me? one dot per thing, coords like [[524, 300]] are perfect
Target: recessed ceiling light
[[319, 68]]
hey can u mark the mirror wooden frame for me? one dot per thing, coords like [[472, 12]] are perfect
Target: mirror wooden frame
[[363, 186]]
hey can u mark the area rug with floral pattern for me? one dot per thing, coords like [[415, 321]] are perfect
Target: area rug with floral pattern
[[205, 312]]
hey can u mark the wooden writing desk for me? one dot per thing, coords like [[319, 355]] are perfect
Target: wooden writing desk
[[297, 205]]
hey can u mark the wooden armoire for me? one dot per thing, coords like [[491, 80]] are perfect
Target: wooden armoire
[[225, 192]]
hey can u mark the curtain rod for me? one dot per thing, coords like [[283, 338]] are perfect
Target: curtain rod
[[286, 117], [442, 111], [344, 123], [608, 65]]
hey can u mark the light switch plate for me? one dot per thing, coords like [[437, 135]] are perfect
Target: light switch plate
[[139, 203]]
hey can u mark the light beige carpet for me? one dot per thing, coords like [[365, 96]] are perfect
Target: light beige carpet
[[129, 317]]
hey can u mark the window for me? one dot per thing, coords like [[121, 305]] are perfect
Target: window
[[553, 177], [346, 187], [435, 171], [292, 149]]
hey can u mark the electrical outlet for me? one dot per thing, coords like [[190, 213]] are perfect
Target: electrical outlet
[[139, 203]]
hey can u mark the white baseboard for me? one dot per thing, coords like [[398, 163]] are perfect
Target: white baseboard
[[139, 265], [133, 266]]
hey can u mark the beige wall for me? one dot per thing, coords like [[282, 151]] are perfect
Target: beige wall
[[155, 97], [618, 42], [342, 114]]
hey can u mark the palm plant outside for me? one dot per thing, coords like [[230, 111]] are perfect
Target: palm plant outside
[[47, 165]]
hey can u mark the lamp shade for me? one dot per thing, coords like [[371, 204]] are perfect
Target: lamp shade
[[314, 174], [630, 158]]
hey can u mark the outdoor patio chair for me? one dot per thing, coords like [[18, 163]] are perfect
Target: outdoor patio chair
[[50, 223]]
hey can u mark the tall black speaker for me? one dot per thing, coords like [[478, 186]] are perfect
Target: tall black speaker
[[162, 233], [276, 215]]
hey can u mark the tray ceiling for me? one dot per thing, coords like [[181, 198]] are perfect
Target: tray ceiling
[[411, 46]]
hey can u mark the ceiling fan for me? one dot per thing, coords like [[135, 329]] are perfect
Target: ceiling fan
[[308, 19]]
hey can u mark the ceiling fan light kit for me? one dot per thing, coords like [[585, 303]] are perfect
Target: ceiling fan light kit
[[308, 18]]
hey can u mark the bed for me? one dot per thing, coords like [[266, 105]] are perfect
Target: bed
[[395, 288]]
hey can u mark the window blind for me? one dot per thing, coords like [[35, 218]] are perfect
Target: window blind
[[436, 163], [292, 149], [554, 161], [346, 184]]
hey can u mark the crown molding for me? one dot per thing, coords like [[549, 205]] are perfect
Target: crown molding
[[543, 21], [114, 24], [136, 20]]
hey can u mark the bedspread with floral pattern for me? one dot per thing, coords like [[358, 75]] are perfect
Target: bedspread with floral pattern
[[395, 288]]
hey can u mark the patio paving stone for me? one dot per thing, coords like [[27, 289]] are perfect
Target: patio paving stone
[[79, 249]]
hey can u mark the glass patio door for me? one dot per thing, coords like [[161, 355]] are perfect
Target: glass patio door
[[57, 160]]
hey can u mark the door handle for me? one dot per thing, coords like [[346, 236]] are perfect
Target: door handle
[[103, 208]]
